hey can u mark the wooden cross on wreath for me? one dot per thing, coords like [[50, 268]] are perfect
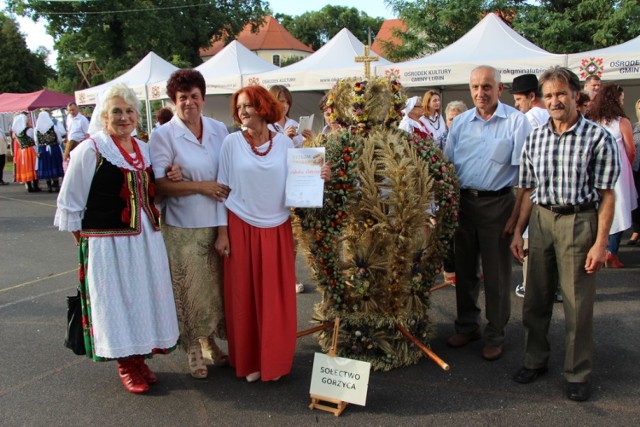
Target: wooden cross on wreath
[[367, 59]]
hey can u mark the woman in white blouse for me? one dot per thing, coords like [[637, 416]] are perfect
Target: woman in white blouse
[[106, 201], [432, 118], [191, 216], [258, 243]]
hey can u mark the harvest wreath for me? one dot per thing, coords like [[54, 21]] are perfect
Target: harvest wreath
[[373, 249]]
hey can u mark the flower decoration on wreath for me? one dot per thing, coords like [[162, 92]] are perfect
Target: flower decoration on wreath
[[390, 210]]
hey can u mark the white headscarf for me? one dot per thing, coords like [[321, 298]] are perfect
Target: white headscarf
[[410, 105], [44, 122], [19, 123], [96, 125]]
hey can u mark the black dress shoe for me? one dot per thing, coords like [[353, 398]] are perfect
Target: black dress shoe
[[526, 376], [578, 391]]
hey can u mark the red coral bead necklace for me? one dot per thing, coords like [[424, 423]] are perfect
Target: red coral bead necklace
[[251, 143], [138, 162]]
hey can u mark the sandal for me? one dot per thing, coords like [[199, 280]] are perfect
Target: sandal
[[213, 354], [196, 363]]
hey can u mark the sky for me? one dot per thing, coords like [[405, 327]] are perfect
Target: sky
[[36, 35]]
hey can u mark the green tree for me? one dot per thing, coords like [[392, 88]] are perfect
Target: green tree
[[118, 33], [434, 24], [20, 69], [571, 26], [559, 26], [317, 28]]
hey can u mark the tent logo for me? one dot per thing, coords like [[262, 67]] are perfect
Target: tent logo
[[393, 74], [591, 67], [254, 81], [155, 92], [81, 98]]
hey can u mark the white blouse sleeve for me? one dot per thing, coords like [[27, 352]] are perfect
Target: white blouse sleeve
[[161, 151], [223, 174], [74, 193]]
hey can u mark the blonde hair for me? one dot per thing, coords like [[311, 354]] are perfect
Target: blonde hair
[[638, 109]]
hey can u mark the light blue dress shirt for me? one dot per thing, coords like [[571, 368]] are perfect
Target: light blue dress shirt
[[486, 153]]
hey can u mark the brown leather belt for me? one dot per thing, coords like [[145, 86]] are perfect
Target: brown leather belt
[[483, 193], [569, 209]]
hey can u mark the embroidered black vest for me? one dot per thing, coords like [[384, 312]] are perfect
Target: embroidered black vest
[[116, 200], [47, 138], [25, 140]]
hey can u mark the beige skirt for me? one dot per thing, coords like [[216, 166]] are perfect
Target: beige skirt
[[196, 275]]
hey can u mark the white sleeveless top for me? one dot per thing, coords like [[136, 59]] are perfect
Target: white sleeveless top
[[625, 190]]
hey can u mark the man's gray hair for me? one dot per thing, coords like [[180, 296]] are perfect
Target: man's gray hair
[[496, 73], [562, 74]]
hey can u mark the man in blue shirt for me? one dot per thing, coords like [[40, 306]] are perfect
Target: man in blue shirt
[[484, 145]]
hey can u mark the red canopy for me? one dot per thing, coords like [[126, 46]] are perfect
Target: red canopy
[[10, 102]]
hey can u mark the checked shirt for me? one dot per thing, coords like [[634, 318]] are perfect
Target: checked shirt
[[568, 169]]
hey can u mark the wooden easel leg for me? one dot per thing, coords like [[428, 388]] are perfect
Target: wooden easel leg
[[316, 403]]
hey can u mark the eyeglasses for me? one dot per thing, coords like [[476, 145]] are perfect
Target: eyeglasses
[[116, 112]]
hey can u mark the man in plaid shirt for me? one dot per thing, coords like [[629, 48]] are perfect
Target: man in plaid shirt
[[568, 170]]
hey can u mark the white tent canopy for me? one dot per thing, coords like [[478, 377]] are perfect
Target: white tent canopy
[[150, 69], [224, 72], [619, 62], [490, 42], [321, 70]]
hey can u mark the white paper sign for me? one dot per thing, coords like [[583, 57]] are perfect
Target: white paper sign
[[340, 378], [305, 187], [306, 122]]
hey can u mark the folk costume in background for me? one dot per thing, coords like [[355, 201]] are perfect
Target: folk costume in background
[[49, 142], [25, 153], [410, 124]]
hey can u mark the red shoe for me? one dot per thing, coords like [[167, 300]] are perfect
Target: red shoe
[[144, 370], [612, 261], [131, 378]]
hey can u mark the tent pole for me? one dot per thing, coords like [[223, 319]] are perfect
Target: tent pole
[[148, 108]]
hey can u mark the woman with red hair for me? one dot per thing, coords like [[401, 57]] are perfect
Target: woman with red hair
[[259, 264]]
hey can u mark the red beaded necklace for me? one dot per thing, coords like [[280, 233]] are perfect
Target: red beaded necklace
[[249, 140], [138, 162]]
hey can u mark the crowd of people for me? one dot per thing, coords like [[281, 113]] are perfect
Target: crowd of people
[[553, 179], [199, 218]]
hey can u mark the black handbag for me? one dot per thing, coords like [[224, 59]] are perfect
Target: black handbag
[[74, 339]]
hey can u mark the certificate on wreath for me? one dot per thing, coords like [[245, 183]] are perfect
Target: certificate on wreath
[[304, 187]]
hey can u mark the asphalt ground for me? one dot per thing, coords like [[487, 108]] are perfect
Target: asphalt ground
[[44, 384]]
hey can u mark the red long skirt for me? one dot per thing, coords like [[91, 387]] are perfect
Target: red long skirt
[[260, 299]]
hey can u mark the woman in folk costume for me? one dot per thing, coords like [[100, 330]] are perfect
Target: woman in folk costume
[[193, 212], [106, 201], [49, 142], [25, 152], [410, 122], [257, 244], [432, 118]]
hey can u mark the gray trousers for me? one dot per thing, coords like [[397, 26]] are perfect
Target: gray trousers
[[478, 239], [558, 247]]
